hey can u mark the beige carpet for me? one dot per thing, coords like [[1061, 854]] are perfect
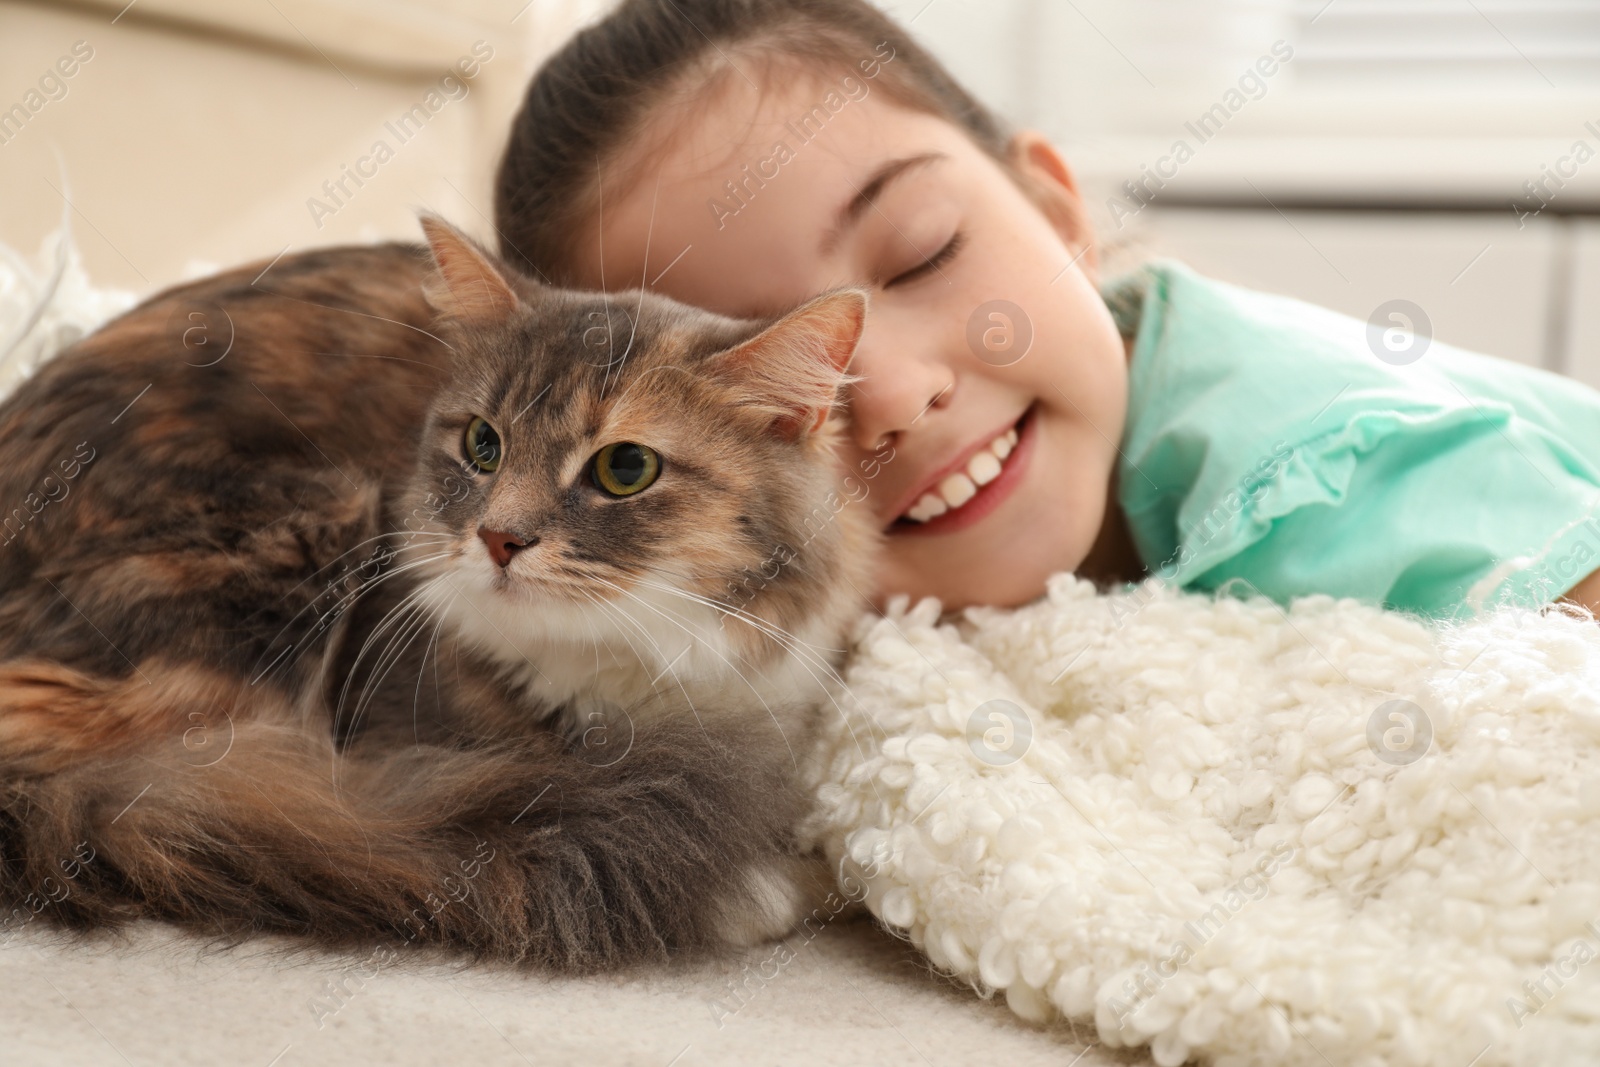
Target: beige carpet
[[852, 995]]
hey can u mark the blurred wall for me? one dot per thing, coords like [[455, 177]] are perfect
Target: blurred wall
[[194, 132], [1352, 152]]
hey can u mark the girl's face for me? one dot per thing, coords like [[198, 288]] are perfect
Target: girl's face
[[983, 432]]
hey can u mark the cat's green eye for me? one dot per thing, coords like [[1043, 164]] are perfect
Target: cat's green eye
[[483, 446], [625, 468]]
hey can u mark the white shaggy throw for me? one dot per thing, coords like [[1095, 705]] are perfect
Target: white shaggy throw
[[47, 305], [1333, 835]]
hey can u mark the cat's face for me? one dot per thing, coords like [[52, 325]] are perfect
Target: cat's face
[[625, 464]]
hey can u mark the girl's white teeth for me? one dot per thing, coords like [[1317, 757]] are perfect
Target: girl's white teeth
[[984, 467], [956, 489], [928, 506]]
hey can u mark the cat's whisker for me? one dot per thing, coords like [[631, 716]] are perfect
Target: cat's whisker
[[428, 659], [787, 640], [595, 638], [802, 651], [376, 632], [829, 691], [490, 622], [437, 539], [594, 635], [400, 614], [600, 242], [340, 606], [414, 608], [730, 664], [633, 330], [352, 311], [338, 609], [696, 599], [416, 620], [614, 611], [401, 619], [364, 542], [622, 619], [397, 359], [405, 635], [326, 566], [674, 618], [688, 579]]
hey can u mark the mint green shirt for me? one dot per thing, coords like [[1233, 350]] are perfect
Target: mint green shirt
[[1268, 446]]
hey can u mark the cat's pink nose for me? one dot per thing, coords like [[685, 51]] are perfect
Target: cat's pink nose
[[502, 546]]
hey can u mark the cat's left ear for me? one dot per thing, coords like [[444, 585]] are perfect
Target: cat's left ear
[[795, 367], [468, 285]]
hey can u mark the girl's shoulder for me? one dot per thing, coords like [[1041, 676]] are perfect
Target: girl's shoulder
[[1192, 332], [1255, 417]]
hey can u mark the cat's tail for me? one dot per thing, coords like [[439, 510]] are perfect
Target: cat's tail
[[148, 797]]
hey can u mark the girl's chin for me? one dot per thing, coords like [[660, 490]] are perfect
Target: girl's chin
[[973, 587]]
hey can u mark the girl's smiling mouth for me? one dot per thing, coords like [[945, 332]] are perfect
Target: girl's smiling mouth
[[972, 486]]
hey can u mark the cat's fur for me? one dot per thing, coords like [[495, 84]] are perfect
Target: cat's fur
[[258, 672]]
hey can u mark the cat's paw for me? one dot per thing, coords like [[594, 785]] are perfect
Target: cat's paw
[[777, 896]]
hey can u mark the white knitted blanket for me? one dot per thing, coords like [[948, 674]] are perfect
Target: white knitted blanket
[[1328, 836]]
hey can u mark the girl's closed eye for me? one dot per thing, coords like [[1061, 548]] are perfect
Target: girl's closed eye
[[930, 265]]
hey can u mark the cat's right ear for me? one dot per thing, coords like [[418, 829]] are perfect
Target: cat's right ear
[[793, 370], [468, 284]]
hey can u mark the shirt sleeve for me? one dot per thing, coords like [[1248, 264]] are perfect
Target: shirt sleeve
[[1439, 512], [1270, 446]]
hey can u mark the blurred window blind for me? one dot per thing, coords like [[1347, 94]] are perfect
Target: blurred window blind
[[1477, 43]]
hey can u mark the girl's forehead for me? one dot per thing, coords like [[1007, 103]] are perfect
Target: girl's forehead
[[730, 205], [731, 116]]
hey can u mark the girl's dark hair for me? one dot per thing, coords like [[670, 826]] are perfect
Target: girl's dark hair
[[591, 98]]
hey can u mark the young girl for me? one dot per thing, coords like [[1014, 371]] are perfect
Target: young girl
[[1012, 418]]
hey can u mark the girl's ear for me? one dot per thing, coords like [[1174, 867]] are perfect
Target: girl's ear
[[794, 368], [468, 284], [1049, 183]]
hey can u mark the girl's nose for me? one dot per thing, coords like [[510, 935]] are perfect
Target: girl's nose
[[898, 386]]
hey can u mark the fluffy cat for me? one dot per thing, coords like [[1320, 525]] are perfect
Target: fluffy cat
[[370, 594]]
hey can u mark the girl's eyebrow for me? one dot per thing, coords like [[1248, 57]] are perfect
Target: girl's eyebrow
[[866, 196]]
